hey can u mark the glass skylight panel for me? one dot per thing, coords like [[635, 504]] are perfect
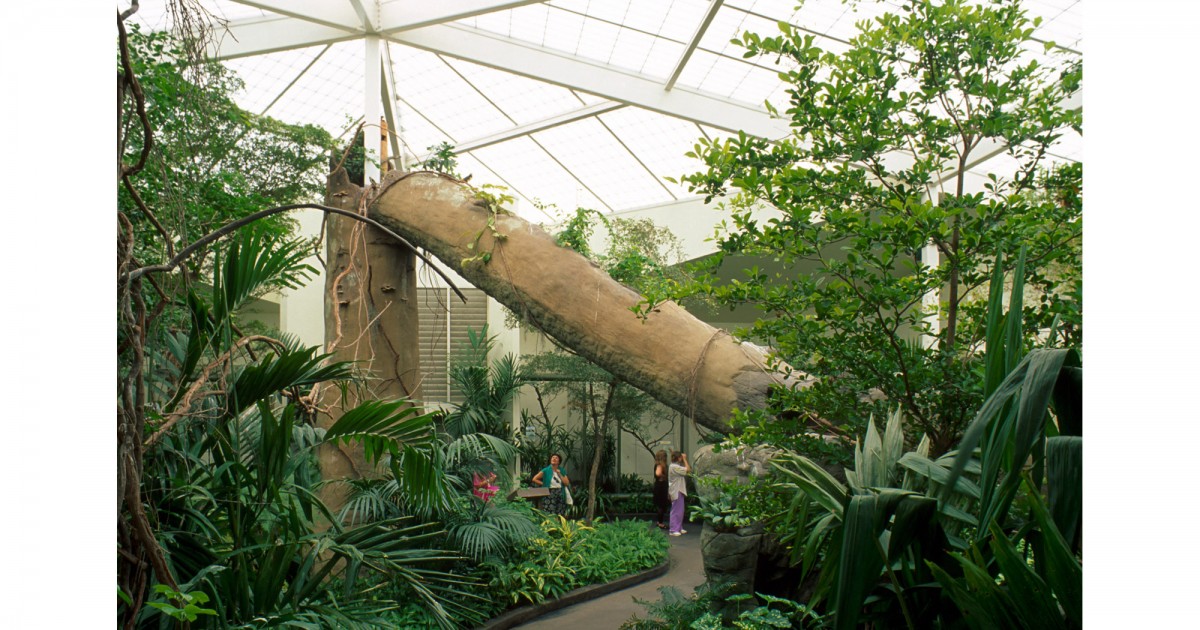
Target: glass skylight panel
[[482, 173], [683, 17], [522, 99], [647, 16], [659, 141], [776, 9], [729, 24], [266, 77], [596, 40], [728, 78], [601, 162], [661, 60], [562, 29], [528, 23], [532, 171], [417, 134], [431, 85], [330, 94], [611, 10], [631, 50], [498, 22]]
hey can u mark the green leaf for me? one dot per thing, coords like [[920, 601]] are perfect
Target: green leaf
[[1064, 480]]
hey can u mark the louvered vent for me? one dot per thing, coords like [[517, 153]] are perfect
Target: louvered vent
[[443, 332]]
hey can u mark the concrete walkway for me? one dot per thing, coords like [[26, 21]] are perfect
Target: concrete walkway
[[612, 610]]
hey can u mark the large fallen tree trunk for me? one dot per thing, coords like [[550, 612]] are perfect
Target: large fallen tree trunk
[[683, 362]]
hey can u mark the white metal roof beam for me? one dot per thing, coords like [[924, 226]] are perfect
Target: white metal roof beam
[[388, 88], [303, 23], [367, 16], [335, 14], [534, 127], [554, 67], [258, 36], [713, 7], [403, 16]]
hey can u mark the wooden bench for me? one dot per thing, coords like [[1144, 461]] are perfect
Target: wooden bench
[[529, 493]]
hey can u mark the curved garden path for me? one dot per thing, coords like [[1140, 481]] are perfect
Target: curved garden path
[[610, 611]]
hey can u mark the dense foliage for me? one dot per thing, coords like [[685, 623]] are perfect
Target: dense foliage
[[210, 161], [876, 220]]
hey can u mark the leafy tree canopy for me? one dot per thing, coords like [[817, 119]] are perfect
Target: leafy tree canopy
[[211, 161], [870, 184]]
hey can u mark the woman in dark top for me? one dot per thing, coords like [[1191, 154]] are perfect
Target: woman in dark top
[[662, 502]]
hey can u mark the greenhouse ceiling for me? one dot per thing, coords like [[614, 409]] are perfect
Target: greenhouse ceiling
[[570, 103]]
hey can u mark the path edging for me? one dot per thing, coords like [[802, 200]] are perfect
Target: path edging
[[526, 613]]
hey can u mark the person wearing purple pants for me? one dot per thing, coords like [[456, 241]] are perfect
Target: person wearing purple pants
[[677, 490]]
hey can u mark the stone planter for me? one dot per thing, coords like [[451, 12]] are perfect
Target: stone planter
[[731, 556]]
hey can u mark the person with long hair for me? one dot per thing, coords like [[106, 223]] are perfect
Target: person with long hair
[[662, 502], [677, 490], [556, 479]]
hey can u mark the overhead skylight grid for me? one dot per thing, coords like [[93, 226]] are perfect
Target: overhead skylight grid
[[329, 94], [632, 51], [728, 78], [417, 133], [531, 170], [660, 142], [1062, 21], [267, 77], [603, 164], [562, 29], [730, 23], [482, 173], [428, 83], [523, 99]]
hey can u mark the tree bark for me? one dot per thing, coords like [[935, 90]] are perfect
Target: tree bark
[[683, 362], [370, 318]]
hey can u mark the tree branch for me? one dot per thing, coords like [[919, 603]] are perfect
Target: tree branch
[[234, 225]]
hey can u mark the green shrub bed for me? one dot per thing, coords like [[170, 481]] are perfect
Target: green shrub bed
[[567, 555]]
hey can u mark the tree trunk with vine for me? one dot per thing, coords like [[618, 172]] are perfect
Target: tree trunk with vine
[[371, 318]]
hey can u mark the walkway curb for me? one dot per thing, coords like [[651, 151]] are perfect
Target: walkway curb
[[526, 613]]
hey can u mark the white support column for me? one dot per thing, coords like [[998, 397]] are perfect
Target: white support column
[[931, 303], [372, 108]]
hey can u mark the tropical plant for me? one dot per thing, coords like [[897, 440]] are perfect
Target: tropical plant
[[775, 613], [233, 471], [718, 511], [210, 161], [487, 387], [973, 521], [493, 529], [570, 554], [878, 240], [675, 611]]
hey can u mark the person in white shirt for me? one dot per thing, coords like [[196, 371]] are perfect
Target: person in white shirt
[[677, 490]]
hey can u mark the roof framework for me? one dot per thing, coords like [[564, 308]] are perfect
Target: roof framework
[[568, 103]]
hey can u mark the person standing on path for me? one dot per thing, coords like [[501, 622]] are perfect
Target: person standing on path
[[662, 501], [677, 490], [557, 481]]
